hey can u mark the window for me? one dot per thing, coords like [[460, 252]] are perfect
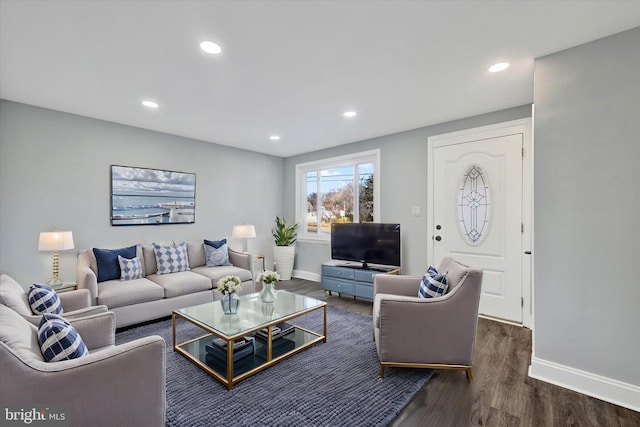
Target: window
[[340, 189]]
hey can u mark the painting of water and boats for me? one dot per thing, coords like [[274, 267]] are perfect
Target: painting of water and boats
[[141, 196]]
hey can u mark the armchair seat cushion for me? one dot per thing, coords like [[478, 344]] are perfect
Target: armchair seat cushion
[[117, 293]]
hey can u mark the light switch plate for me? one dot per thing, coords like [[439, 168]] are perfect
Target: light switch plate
[[416, 211]]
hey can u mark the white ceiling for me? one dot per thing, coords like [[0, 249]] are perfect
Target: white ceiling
[[289, 68]]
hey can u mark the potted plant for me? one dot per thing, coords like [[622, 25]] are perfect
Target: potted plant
[[229, 286], [283, 250]]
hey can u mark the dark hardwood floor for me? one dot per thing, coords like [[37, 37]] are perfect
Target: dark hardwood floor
[[501, 393]]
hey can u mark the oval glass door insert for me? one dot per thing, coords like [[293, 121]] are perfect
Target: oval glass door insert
[[474, 205]]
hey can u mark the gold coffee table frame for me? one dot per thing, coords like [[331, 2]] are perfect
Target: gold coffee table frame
[[252, 316]]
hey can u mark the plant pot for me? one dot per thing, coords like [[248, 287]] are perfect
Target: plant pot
[[283, 256]]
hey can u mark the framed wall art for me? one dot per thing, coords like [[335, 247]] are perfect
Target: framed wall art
[[141, 196]]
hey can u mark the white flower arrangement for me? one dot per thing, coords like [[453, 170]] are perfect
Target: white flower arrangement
[[229, 285], [268, 277]]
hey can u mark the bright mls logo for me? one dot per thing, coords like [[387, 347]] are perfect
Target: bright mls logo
[[37, 416]]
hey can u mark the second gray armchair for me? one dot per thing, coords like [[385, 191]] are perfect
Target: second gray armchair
[[437, 333]]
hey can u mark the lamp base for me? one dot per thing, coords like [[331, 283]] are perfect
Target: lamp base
[[56, 282]]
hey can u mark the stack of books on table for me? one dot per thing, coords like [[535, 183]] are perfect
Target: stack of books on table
[[242, 347], [280, 343], [277, 331]]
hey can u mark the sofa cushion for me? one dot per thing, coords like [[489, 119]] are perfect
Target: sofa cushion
[[19, 335], [59, 340], [182, 283], [14, 296], [130, 269], [217, 273], [116, 293], [433, 284], [149, 257], [171, 258], [195, 251], [107, 262], [43, 299], [216, 253]]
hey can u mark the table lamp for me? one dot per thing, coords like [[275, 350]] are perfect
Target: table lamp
[[244, 231], [55, 241]]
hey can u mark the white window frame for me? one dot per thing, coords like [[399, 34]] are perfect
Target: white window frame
[[371, 156]]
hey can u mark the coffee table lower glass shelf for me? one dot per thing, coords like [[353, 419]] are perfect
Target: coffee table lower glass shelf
[[252, 316]]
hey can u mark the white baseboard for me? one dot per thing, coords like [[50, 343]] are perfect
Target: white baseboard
[[603, 388], [307, 275]]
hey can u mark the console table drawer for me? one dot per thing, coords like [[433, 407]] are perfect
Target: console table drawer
[[340, 272], [365, 275], [338, 286], [364, 291]]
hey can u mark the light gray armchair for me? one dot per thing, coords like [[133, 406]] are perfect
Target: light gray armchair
[[112, 386], [75, 304], [437, 333]]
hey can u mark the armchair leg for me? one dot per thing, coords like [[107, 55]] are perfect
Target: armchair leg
[[469, 374], [381, 371]]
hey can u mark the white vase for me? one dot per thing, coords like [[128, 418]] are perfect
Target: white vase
[[283, 256]]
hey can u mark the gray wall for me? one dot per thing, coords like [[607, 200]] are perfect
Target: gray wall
[[54, 173], [587, 205], [403, 158]]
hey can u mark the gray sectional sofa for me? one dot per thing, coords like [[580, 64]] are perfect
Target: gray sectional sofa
[[156, 295]]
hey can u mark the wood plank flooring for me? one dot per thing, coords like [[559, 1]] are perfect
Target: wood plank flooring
[[501, 393]]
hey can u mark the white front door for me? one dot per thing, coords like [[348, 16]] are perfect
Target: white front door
[[478, 215]]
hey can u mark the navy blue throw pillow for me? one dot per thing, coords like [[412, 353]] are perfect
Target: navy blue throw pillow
[[215, 243], [107, 262]]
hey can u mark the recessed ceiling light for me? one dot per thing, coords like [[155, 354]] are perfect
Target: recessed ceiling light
[[350, 114], [274, 137], [500, 66], [211, 47], [150, 104]]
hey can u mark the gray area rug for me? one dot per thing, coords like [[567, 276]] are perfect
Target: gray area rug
[[330, 384]]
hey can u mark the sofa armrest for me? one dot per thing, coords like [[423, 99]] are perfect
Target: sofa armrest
[[122, 385], [75, 300], [86, 277], [396, 285], [241, 259], [97, 331]]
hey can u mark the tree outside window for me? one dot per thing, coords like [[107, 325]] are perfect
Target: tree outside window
[[338, 194]]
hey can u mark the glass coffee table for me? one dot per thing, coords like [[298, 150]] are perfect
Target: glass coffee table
[[253, 317]]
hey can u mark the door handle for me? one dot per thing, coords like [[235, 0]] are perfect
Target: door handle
[[438, 238]]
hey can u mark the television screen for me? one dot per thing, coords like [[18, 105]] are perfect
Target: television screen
[[366, 242]]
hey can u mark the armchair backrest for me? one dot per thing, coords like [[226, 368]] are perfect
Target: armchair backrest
[[19, 335], [456, 272], [14, 296]]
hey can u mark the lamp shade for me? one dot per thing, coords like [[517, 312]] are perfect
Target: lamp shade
[[244, 231], [55, 241]]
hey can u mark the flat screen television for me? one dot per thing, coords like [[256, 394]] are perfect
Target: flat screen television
[[366, 242]]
